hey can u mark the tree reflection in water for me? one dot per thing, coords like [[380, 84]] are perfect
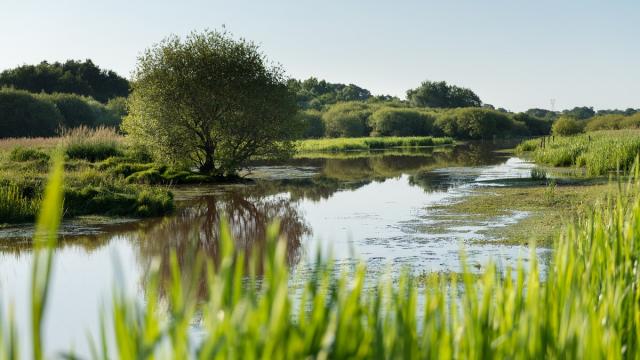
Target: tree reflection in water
[[195, 229]]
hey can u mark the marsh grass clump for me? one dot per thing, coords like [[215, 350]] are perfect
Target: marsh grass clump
[[369, 143], [15, 206], [20, 153], [92, 144], [598, 152]]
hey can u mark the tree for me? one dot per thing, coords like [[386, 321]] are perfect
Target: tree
[[210, 101], [580, 112], [390, 121], [441, 95], [71, 77], [348, 119]]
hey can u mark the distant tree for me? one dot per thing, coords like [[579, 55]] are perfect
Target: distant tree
[[478, 123], [441, 95], [315, 94], [536, 126], [390, 121], [566, 126], [312, 123], [580, 112], [542, 114], [75, 77], [210, 101], [348, 119]]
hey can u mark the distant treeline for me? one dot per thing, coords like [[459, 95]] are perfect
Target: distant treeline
[[39, 100], [26, 114], [357, 119], [71, 77]]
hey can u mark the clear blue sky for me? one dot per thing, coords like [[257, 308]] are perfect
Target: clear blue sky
[[516, 54]]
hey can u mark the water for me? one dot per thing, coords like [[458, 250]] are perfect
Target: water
[[375, 207]]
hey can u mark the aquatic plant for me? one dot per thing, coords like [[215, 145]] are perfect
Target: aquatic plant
[[587, 305], [598, 152], [92, 144]]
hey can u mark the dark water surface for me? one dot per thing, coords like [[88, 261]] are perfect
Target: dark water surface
[[376, 205]]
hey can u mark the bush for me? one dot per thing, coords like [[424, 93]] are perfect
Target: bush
[[477, 123], [535, 126], [312, 123], [348, 119], [566, 126], [613, 122], [20, 153], [23, 114], [123, 201], [388, 121], [75, 109]]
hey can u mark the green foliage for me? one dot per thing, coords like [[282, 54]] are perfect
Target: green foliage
[[536, 126], [478, 123], [210, 101], [390, 121], [438, 94], [316, 94], [26, 115], [566, 126], [120, 201], [75, 110], [613, 122], [598, 152], [348, 119], [580, 112], [369, 143], [20, 153], [76, 77], [312, 123], [585, 306]]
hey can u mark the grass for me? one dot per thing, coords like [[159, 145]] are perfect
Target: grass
[[368, 143], [599, 153], [587, 305], [92, 144]]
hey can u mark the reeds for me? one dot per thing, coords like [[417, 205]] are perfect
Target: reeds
[[92, 144], [598, 152], [369, 143]]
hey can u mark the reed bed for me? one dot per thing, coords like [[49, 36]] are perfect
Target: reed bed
[[598, 152], [587, 306], [369, 143]]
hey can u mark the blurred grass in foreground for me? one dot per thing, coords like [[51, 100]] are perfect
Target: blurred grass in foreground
[[587, 307]]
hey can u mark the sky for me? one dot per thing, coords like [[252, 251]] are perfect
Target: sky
[[514, 54]]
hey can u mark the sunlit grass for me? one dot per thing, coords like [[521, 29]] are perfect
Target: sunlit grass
[[598, 152], [368, 143]]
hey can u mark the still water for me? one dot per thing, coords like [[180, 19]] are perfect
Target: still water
[[376, 207]]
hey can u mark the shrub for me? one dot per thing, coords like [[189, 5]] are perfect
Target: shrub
[[20, 153], [312, 123], [76, 110], [613, 122], [566, 126], [477, 123], [348, 119], [535, 126], [23, 114], [388, 121]]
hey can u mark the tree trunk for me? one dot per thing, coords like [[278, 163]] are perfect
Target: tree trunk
[[209, 166]]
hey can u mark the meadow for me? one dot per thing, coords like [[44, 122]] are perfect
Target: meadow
[[598, 152], [585, 306]]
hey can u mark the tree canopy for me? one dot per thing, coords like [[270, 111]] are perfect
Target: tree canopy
[[211, 101], [75, 77], [438, 94], [314, 94]]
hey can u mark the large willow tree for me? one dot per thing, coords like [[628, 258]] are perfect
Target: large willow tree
[[212, 102]]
